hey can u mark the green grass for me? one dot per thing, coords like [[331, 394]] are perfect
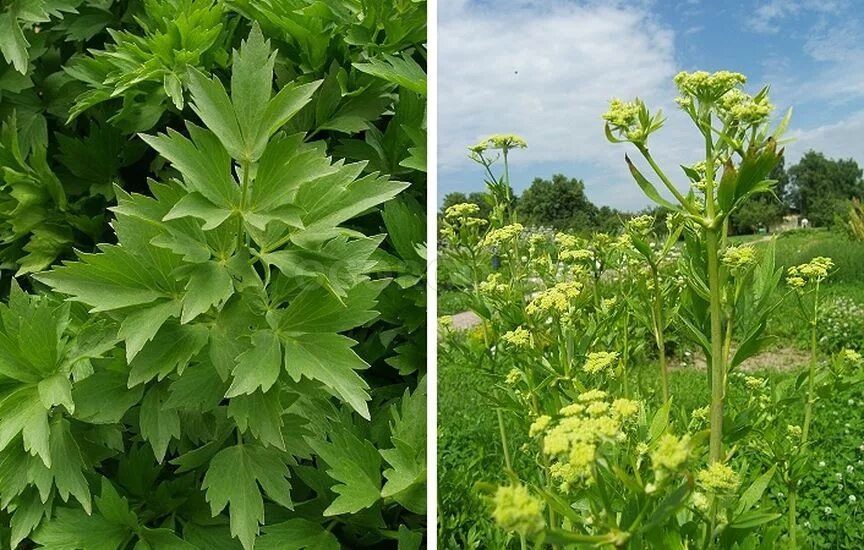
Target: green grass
[[452, 301]]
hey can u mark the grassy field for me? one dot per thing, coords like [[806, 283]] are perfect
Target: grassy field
[[831, 501]]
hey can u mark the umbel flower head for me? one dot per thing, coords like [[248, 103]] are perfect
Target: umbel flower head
[[520, 337], [630, 121], [739, 258], [599, 361], [576, 440], [557, 299], [516, 510], [744, 108], [503, 142], [707, 87], [718, 478], [503, 235], [814, 271], [671, 452]]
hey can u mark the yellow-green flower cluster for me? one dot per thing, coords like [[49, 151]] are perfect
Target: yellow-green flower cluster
[[739, 258], [516, 510], [599, 361], [622, 114], [754, 382], [518, 338], [500, 141], [700, 415], [708, 87], [592, 395], [503, 235], [557, 299], [565, 240], [852, 357], [512, 377], [745, 108], [576, 255], [640, 224], [461, 210], [671, 452], [493, 286], [718, 478], [575, 440], [793, 431], [816, 270], [445, 322], [625, 408], [625, 118], [539, 426]]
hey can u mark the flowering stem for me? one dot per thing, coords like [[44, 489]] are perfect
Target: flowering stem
[[504, 441], [659, 335], [662, 175], [808, 406]]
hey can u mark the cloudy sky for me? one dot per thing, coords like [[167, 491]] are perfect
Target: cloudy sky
[[545, 69]]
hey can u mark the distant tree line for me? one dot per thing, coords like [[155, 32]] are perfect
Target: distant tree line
[[817, 188]]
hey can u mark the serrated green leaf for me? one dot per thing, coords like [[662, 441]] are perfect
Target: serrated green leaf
[[103, 397], [13, 45], [171, 349], [195, 205], [400, 70], [139, 327], [329, 359], [159, 424], [261, 414], [209, 285], [22, 412], [257, 367], [113, 279], [211, 103], [73, 529], [233, 478], [297, 534], [355, 464]]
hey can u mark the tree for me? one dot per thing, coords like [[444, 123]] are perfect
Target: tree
[[560, 203], [764, 209], [821, 187], [476, 197]]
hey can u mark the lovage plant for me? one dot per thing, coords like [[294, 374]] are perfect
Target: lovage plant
[[235, 370]]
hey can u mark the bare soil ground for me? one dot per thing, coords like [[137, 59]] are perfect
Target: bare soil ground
[[779, 359]]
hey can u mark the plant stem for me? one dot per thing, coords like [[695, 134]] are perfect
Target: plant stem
[[811, 374], [243, 191], [504, 441], [793, 498], [659, 336], [666, 181], [717, 367]]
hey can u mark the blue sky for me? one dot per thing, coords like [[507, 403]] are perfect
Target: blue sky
[[545, 69]]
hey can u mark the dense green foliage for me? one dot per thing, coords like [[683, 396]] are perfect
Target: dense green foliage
[[821, 188], [231, 354]]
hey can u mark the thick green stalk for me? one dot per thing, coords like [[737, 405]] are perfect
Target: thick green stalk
[[659, 335], [504, 445], [718, 368], [811, 374]]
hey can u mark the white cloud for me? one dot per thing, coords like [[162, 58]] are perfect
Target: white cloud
[[768, 17], [842, 139], [547, 74]]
